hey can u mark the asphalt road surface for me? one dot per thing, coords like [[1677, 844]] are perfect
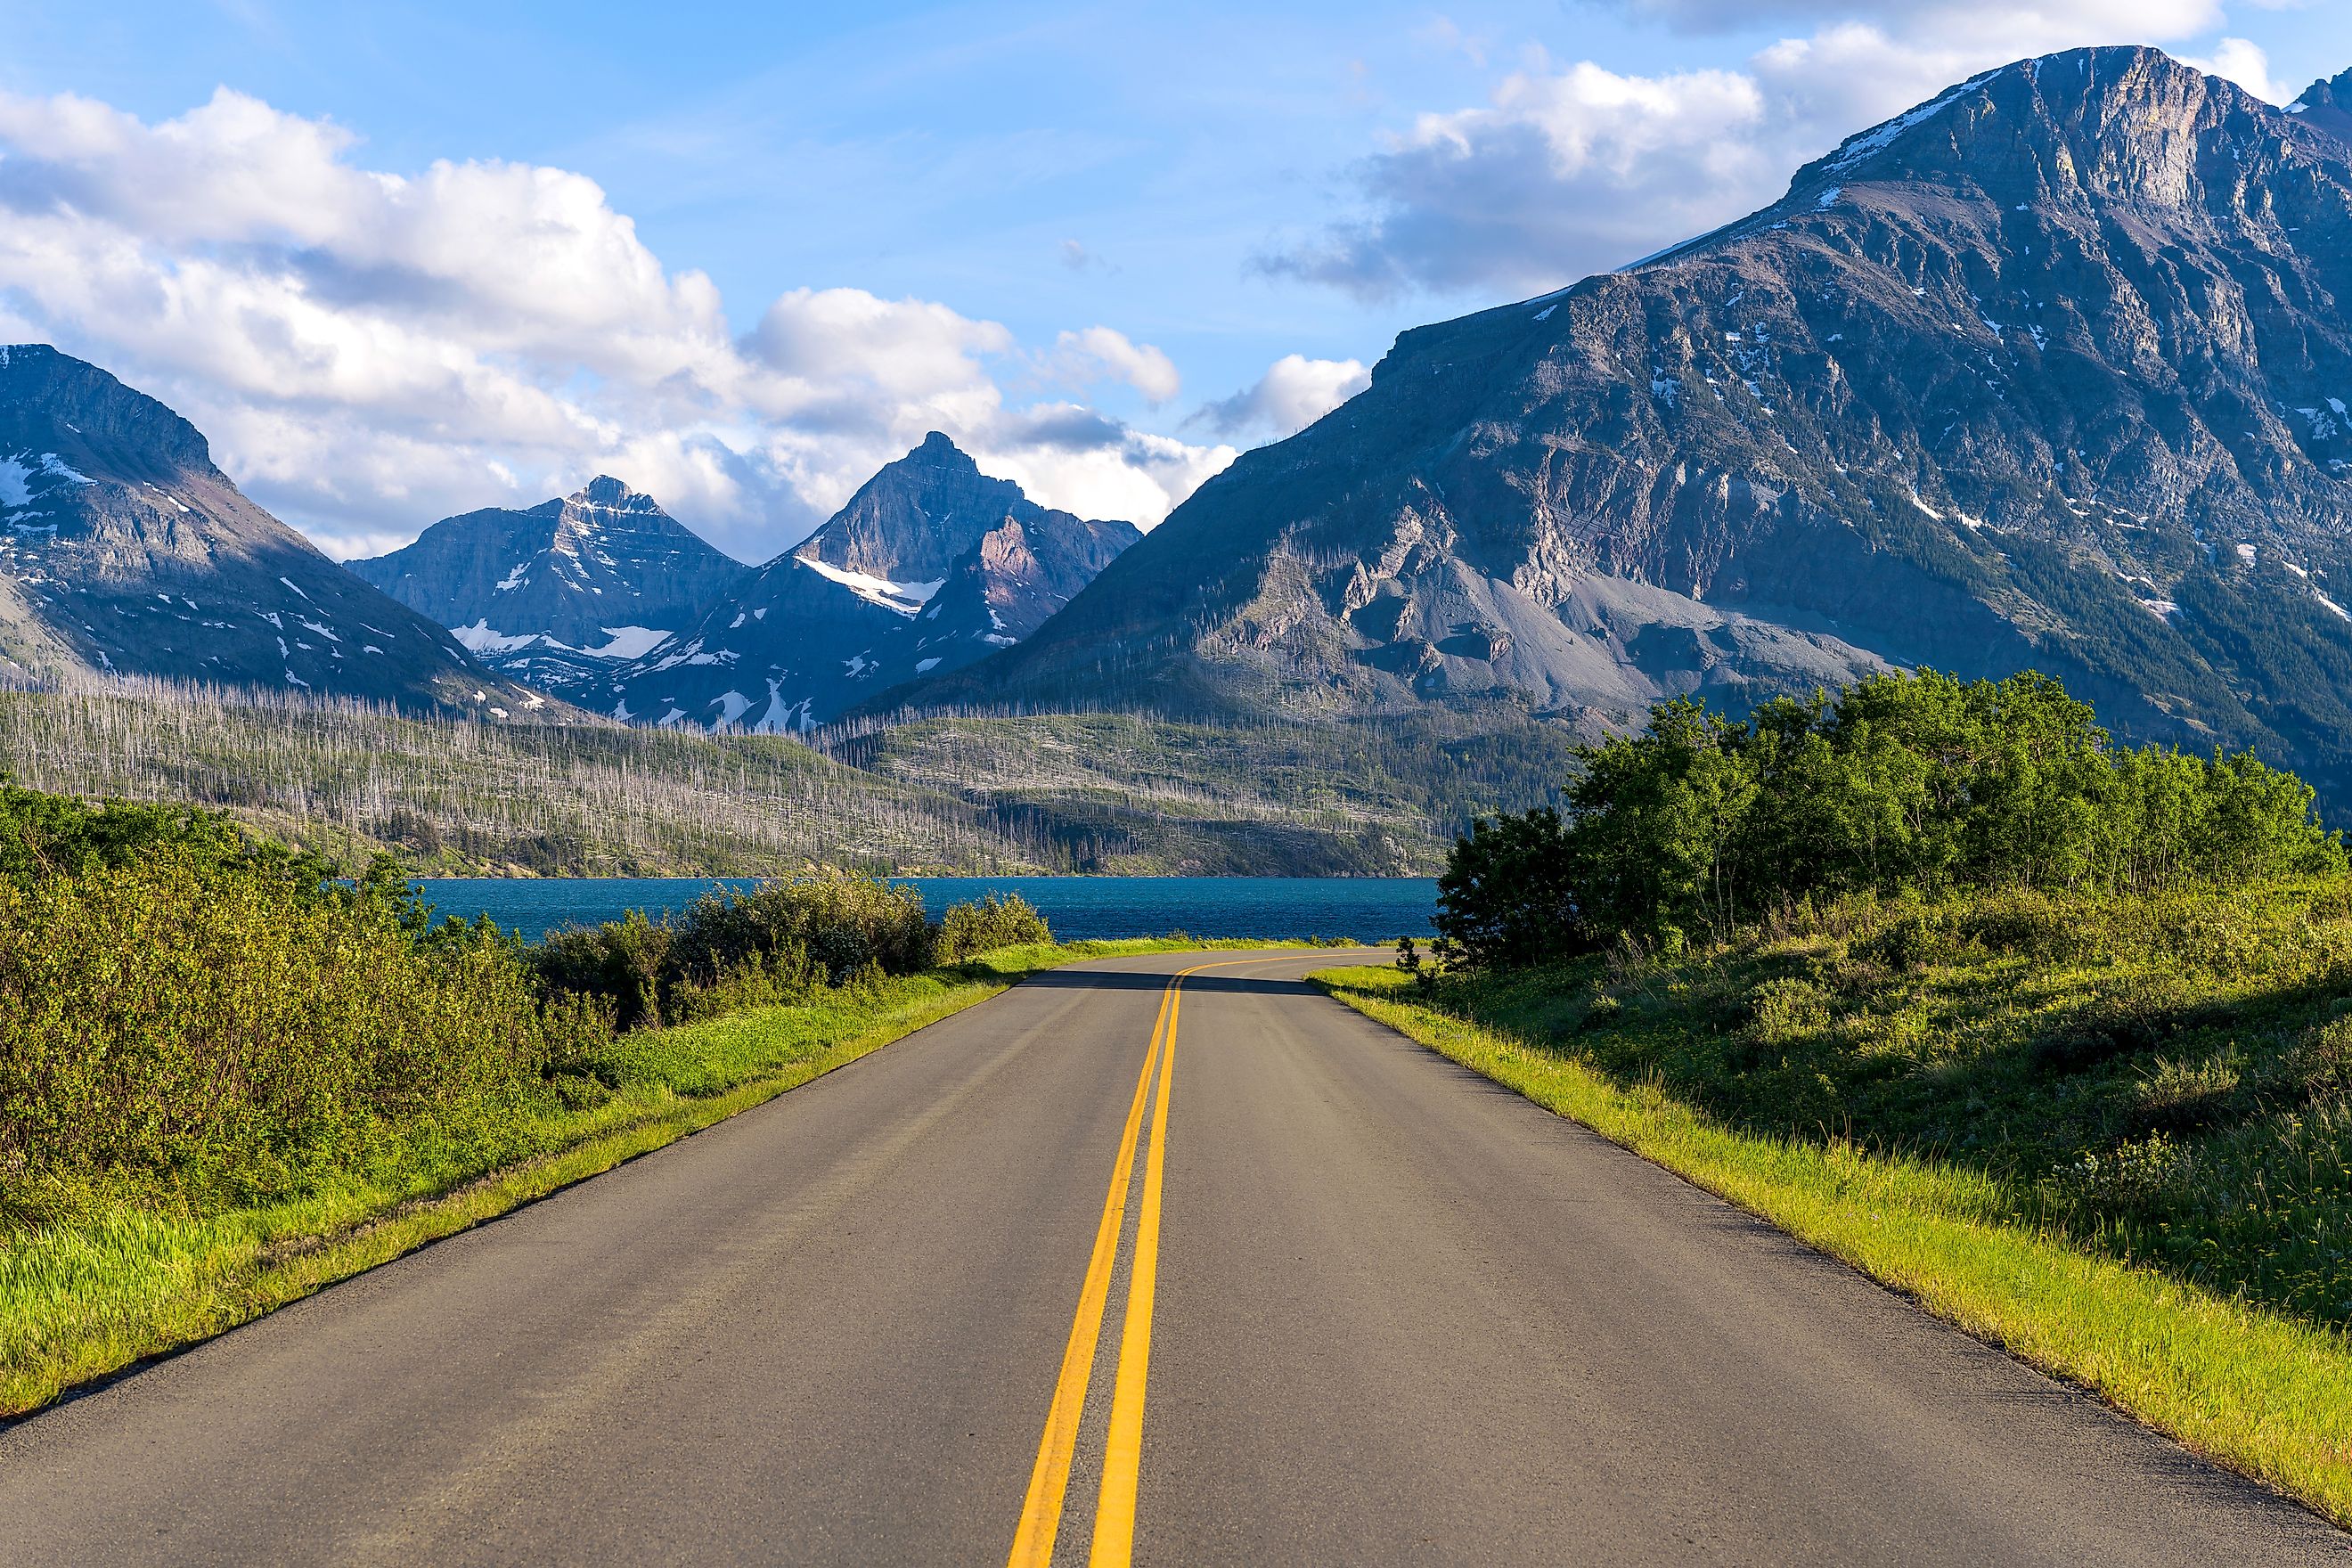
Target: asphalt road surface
[[1035, 1285]]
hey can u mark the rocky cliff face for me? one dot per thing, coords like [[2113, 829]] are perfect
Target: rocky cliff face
[[930, 565], [561, 593], [2052, 370], [123, 550]]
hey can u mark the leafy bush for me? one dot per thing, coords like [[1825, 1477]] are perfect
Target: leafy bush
[[623, 963], [1900, 784], [830, 925], [1508, 895], [201, 1023], [2320, 1070], [988, 924], [777, 944]]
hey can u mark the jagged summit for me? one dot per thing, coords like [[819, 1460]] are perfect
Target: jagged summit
[[82, 408], [2124, 122], [558, 592], [915, 517], [2327, 105], [606, 494], [931, 565], [123, 548]]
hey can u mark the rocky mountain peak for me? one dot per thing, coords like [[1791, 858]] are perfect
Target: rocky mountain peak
[[2050, 372], [560, 593], [2125, 123], [937, 450], [930, 565], [607, 493], [2327, 105], [913, 518], [68, 406], [123, 550]]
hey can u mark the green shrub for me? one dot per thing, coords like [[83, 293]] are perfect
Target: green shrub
[[46, 836], [197, 1022], [1902, 945], [1509, 893], [987, 924], [1901, 784], [2133, 1179], [2319, 1072], [2187, 1096], [623, 964], [832, 924], [729, 949]]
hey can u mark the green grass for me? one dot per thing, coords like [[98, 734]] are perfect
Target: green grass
[[123, 1280], [2252, 1388]]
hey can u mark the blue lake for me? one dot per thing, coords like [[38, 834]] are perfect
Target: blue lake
[[1369, 908]]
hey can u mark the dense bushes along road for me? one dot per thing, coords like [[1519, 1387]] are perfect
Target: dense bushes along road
[[226, 1078], [2109, 991], [194, 1020], [1900, 784], [1935, 976]]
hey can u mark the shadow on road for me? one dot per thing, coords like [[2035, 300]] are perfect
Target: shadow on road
[[1140, 980]]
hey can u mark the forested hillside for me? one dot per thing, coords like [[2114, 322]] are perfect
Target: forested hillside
[[955, 794]]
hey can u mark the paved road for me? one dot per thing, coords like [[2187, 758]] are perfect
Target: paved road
[[1394, 1315]]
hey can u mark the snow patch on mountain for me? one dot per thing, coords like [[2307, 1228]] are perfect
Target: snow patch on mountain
[[629, 642], [904, 597]]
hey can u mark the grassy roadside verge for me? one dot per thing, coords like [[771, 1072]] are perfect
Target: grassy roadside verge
[[81, 1300], [2252, 1389]]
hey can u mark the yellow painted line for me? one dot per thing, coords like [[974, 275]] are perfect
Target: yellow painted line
[[1041, 1512], [1114, 1541], [1049, 1481]]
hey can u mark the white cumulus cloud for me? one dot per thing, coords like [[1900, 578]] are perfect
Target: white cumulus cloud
[[369, 351], [1099, 353], [1293, 394], [1569, 170]]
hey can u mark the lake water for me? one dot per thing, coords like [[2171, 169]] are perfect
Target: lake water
[[1368, 909]]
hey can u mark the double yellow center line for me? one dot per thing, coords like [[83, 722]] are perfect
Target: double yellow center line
[[1041, 1511]]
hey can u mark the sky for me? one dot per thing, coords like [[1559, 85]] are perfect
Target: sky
[[400, 261]]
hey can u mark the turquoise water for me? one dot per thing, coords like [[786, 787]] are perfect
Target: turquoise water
[[1370, 908]]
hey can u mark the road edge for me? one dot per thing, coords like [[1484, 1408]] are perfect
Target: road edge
[[2257, 1394]]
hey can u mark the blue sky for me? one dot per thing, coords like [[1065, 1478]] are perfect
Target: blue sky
[[1083, 238]]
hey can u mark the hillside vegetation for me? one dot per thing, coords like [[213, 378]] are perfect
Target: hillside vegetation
[[1951, 919], [589, 797], [1121, 791], [454, 798], [191, 1019]]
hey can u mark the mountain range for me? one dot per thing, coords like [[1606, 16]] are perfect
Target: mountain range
[[930, 566], [2052, 370]]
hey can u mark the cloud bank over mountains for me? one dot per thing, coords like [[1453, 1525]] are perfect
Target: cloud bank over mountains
[[1294, 392], [1572, 169], [369, 351], [372, 349]]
